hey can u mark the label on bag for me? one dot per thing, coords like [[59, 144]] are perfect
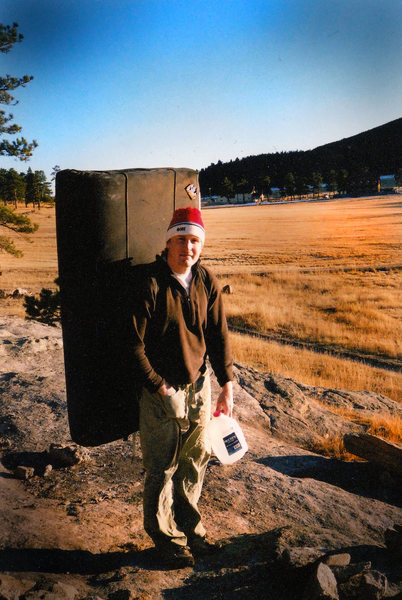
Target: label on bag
[[232, 443]]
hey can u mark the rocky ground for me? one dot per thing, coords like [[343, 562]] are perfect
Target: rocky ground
[[294, 525]]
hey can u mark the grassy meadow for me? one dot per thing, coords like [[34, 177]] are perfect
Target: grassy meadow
[[327, 275], [323, 274], [38, 266]]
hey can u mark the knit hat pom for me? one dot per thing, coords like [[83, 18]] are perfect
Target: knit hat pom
[[186, 221]]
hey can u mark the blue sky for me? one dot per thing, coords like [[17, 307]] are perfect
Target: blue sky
[[153, 83]]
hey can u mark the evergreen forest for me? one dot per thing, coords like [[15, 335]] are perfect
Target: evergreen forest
[[350, 166], [31, 187]]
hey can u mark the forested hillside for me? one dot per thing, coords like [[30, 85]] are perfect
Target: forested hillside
[[351, 165]]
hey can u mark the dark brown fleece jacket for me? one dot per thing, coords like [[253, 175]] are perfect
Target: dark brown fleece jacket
[[174, 331]]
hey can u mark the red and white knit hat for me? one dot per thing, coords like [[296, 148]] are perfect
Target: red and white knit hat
[[186, 221]]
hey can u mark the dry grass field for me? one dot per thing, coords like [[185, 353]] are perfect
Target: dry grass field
[[337, 234], [324, 275], [38, 266]]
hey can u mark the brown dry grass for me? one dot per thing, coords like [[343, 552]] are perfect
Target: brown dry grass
[[315, 368], [326, 273], [386, 426], [333, 447], [363, 232], [38, 267], [354, 310]]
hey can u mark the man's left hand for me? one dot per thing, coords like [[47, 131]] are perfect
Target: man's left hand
[[225, 399]]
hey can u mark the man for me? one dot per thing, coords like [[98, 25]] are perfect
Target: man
[[178, 321]]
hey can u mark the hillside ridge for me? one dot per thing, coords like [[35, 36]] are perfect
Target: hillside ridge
[[354, 163], [393, 127]]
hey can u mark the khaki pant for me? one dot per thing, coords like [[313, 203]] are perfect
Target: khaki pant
[[176, 451]]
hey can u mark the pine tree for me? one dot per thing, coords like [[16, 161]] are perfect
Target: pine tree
[[290, 185], [18, 147], [242, 186], [317, 183], [227, 188], [15, 222]]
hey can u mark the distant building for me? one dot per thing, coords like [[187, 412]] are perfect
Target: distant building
[[219, 200], [213, 200], [242, 198], [387, 184], [275, 192]]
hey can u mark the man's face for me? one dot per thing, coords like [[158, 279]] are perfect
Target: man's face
[[183, 252]]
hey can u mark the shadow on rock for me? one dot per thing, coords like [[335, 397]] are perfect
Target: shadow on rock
[[72, 561], [57, 561], [360, 478], [36, 460], [236, 551], [252, 582], [247, 567], [380, 559]]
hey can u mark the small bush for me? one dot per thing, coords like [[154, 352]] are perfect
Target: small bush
[[45, 308]]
